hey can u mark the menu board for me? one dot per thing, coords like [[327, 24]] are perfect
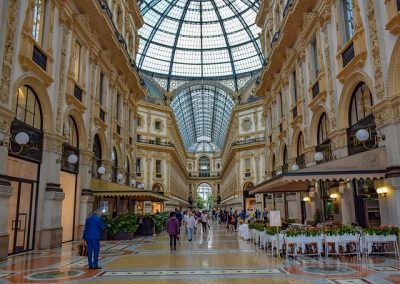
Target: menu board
[[275, 218]]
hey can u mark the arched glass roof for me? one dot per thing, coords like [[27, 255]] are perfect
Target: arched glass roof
[[199, 38], [203, 113]]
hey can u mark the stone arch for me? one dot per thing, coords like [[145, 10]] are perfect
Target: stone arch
[[80, 126], [314, 124], [280, 153], [394, 71], [347, 92], [247, 185], [272, 156], [43, 97]]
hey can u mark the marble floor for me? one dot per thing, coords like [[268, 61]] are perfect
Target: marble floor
[[218, 256]]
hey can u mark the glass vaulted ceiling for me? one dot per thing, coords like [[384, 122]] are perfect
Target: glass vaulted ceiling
[[203, 113], [197, 39]]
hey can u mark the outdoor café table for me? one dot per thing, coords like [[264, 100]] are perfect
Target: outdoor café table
[[343, 241], [370, 240], [272, 242]]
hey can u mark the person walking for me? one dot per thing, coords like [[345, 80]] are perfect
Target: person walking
[[265, 214], [173, 230], [204, 221], [190, 223], [92, 234]]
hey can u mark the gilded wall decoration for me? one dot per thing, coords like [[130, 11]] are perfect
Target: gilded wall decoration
[[379, 82], [61, 86], [8, 52]]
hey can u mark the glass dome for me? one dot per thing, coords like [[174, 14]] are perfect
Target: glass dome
[[199, 38], [203, 112]]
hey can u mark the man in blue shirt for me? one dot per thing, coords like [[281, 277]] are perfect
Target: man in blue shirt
[[92, 234]]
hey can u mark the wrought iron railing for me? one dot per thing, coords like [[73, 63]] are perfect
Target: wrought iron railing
[[249, 141], [155, 142]]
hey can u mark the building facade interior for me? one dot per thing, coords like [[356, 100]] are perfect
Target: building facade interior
[[143, 106]]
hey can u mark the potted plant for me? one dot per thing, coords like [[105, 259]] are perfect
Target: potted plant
[[123, 227]]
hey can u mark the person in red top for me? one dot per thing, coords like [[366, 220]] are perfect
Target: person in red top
[[173, 230]]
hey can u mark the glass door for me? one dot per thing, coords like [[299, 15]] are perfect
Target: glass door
[[20, 221]]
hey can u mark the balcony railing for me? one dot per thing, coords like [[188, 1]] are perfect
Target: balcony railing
[[348, 55], [78, 93], [249, 141], [39, 57], [275, 38], [289, 4], [146, 141], [315, 90], [103, 4]]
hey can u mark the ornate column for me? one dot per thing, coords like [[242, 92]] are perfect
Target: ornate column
[[389, 205], [84, 191], [50, 199]]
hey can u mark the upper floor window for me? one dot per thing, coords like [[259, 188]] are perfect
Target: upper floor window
[[322, 129], [118, 113], [77, 64], [71, 132], [247, 165], [158, 166], [314, 58], [300, 145], [157, 125], [101, 89], [361, 103], [347, 22], [28, 108], [39, 13], [204, 166], [114, 161], [138, 165], [294, 86]]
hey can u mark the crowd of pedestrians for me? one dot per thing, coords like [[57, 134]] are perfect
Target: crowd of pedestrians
[[198, 221]]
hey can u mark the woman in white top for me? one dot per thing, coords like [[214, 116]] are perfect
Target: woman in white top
[[204, 220], [190, 222]]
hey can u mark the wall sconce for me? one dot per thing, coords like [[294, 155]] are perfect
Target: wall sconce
[[318, 156], [295, 167], [382, 191], [333, 196], [306, 199], [363, 135], [21, 138]]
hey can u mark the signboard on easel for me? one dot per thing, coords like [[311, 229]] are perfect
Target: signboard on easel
[[275, 218]]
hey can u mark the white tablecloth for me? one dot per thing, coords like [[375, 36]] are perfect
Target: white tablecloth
[[244, 232]]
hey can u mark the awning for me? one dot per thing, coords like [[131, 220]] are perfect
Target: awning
[[137, 195], [366, 165], [109, 189]]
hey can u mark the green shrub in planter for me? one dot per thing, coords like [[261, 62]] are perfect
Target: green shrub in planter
[[160, 221], [126, 223]]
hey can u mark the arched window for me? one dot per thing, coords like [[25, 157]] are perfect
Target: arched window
[[347, 20], [97, 158], [361, 103], [273, 172], [114, 160], [300, 145], [71, 132], [28, 108], [322, 135], [300, 159], [128, 171], [71, 146], [204, 166], [285, 160]]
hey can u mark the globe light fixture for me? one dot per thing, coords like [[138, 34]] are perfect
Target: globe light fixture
[[295, 167], [382, 191], [72, 159], [318, 156], [362, 135], [22, 138], [333, 196], [120, 176], [306, 199], [101, 170]]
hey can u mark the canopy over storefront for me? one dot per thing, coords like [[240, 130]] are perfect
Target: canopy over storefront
[[365, 165]]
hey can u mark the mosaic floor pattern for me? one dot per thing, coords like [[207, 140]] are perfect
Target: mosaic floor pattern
[[218, 256]]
